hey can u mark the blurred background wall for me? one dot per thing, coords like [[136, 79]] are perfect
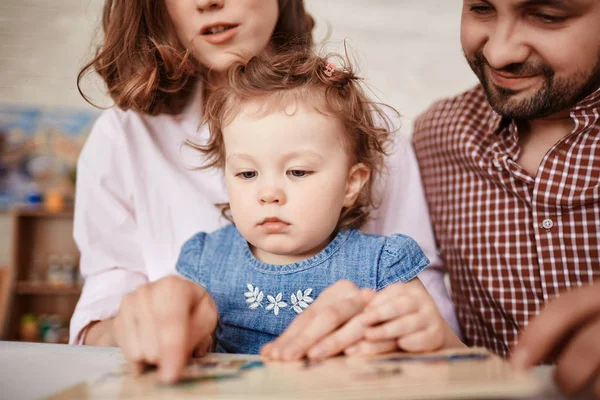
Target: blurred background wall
[[408, 51]]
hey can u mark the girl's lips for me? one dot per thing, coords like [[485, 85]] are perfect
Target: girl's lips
[[221, 37], [274, 226]]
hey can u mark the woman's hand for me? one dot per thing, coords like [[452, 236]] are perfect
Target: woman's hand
[[163, 323], [567, 330], [403, 317], [325, 322]]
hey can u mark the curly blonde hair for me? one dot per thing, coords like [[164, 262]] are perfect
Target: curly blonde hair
[[304, 75]]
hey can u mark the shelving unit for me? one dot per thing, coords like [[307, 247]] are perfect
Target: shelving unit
[[26, 287], [37, 234]]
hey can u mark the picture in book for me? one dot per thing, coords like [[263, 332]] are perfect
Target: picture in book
[[472, 373]]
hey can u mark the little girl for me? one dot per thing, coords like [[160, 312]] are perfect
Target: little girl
[[300, 145]]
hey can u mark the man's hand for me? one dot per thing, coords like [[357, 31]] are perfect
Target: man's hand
[[568, 328], [163, 323]]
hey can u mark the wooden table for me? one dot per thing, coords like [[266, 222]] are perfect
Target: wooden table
[[34, 370]]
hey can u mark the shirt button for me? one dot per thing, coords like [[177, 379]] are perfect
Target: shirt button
[[497, 164], [547, 224]]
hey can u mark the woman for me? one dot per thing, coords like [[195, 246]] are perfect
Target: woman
[[138, 197]]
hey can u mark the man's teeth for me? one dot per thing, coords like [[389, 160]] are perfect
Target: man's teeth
[[217, 29]]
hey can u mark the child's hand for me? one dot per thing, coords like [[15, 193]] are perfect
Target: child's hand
[[323, 329], [162, 323], [404, 317]]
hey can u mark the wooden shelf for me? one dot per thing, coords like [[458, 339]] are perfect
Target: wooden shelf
[[41, 212], [43, 288], [38, 236]]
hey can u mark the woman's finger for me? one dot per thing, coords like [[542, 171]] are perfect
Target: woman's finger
[[203, 347], [174, 318], [146, 326], [204, 318], [126, 334]]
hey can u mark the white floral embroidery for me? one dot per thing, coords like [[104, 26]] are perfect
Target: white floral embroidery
[[300, 300], [254, 297], [275, 303]]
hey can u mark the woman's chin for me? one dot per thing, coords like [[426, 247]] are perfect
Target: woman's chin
[[219, 63]]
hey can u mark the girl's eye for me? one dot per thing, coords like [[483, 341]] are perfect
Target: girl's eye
[[298, 173], [247, 174]]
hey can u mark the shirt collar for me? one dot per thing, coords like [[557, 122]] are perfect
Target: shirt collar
[[498, 123], [591, 102]]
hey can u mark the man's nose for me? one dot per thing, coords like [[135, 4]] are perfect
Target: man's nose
[[506, 45]]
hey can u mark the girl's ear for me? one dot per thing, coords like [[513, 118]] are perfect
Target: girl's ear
[[358, 176]]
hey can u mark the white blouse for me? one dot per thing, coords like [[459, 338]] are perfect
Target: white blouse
[[139, 199]]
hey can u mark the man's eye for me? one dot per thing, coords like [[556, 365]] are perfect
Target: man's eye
[[549, 19], [298, 173], [247, 174], [482, 10]]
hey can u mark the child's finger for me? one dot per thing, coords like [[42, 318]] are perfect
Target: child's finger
[[367, 348], [332, 294], [350, 333], [274, 349], [421, 341], [387, 294], [324, 323], [394, 308], [397, 328], [368, 295], [340, 292]]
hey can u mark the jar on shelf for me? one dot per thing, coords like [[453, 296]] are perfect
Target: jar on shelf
[[52, 334], [68, 270], [55, 271], [28, 328]]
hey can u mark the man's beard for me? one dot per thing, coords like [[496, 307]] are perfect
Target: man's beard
[[555, 95]]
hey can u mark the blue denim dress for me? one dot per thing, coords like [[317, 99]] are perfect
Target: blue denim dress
[[258, 301]]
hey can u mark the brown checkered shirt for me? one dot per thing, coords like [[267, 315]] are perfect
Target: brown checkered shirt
[[510, 241]]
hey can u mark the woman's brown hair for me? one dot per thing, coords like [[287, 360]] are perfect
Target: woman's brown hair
[[301, 75], [145, 67]]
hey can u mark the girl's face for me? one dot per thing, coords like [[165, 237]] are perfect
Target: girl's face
[[288, 178], [220, 32]]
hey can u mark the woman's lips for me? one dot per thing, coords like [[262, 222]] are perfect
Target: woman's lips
[[221, 37]]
